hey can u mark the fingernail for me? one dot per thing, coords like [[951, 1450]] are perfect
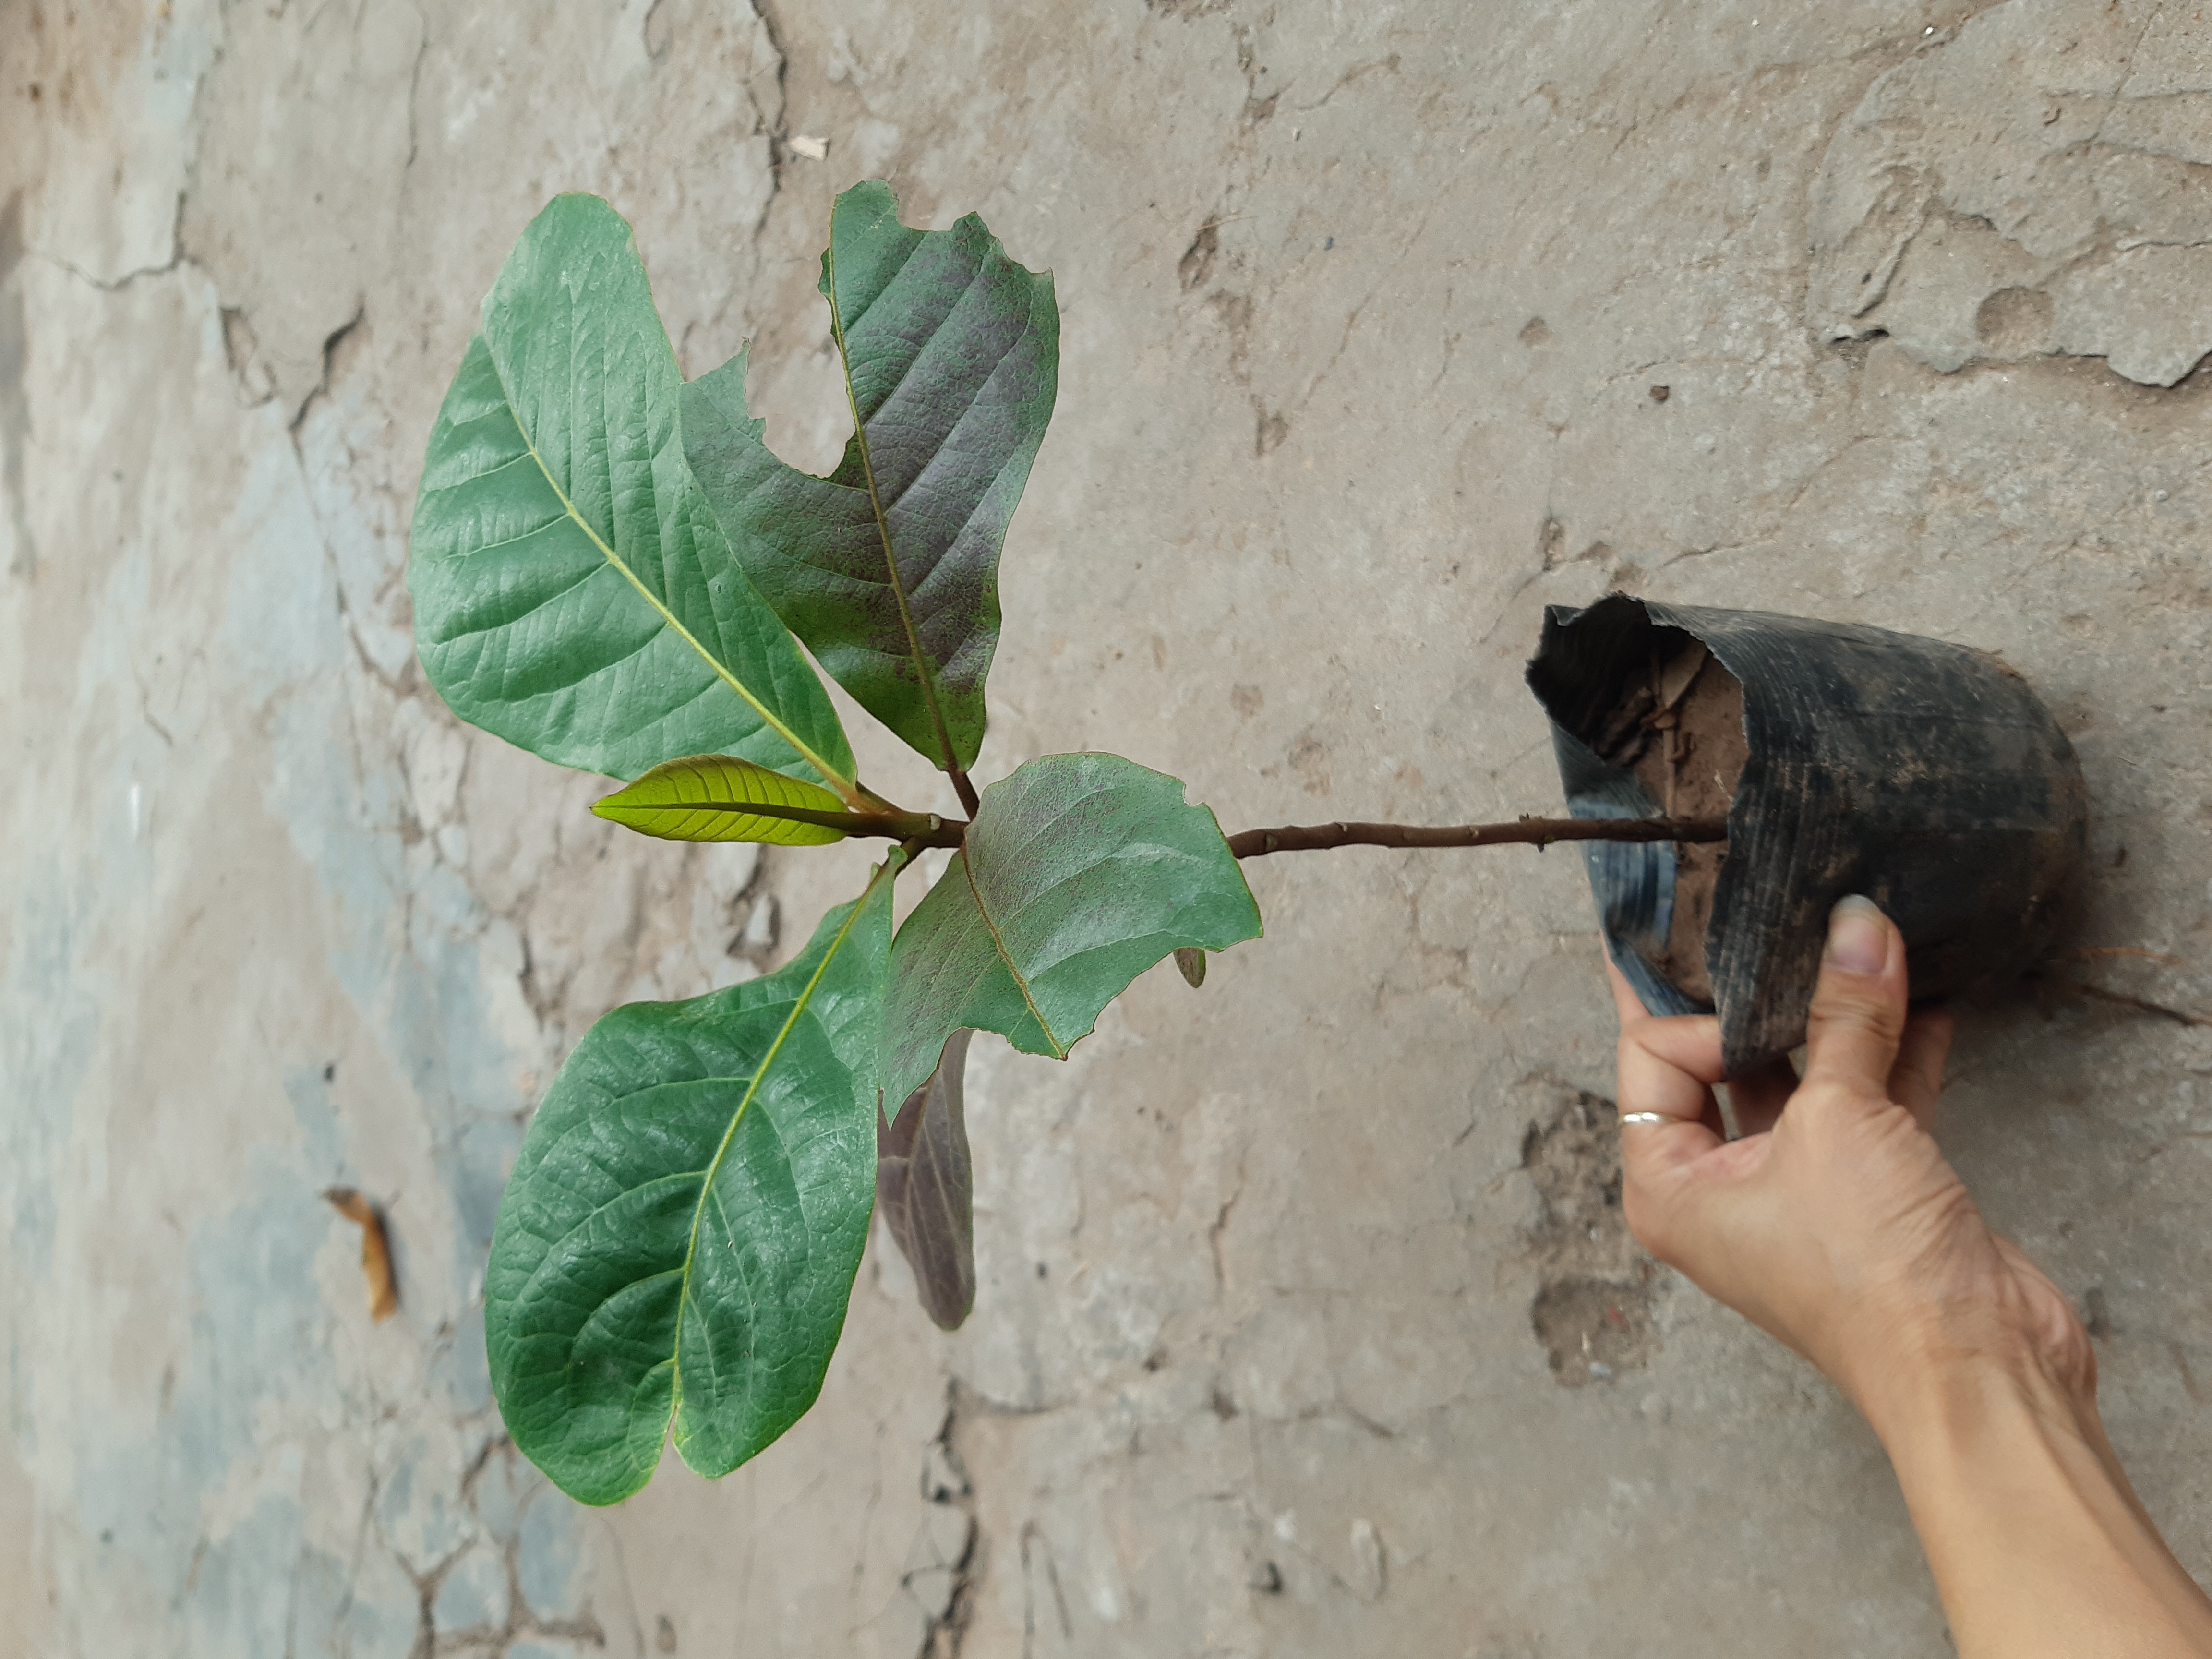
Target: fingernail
[[1858, 939]]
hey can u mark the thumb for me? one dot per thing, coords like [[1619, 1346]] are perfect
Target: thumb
[[1858, 1017]]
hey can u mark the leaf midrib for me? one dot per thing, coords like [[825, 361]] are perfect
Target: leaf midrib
[[1021, 983], [816, 818], [845, 785], [714, 1164], [923, 667]]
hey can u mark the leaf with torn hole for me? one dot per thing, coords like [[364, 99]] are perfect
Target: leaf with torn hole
[[676, 1244], [721, 797], [888, 567], [573, 592], [925, 1186], [375, 1250], [1078, 872]]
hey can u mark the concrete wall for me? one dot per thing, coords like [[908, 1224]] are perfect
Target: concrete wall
[[1386, 324]]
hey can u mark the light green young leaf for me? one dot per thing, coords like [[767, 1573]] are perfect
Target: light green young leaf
[[1079, 872], [888, 569], [721, 797], [573, 592], [677, 1241]]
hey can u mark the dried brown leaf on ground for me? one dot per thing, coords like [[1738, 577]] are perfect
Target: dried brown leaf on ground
[[375, 1250]]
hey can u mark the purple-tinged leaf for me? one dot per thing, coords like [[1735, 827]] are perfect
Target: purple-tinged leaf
[[925, 1186]]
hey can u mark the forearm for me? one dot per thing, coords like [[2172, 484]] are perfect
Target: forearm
[[2038, 1544]]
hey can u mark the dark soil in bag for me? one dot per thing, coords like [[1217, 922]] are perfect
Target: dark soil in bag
[[1845, 760]]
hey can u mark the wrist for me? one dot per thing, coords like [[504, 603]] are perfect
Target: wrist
[[1930, 1389]]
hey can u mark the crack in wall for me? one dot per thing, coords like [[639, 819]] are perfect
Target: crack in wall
[[774, 126], [1035, 1548], [176, 261], [1219, 1226], [415, 90], [519, 1621], [333, 343], [945, 1482], [15, 411]]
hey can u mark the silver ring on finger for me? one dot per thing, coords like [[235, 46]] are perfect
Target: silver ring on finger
[[1645, 1117]]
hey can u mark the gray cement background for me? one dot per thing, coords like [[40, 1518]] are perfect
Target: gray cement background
[[1285, 1286]]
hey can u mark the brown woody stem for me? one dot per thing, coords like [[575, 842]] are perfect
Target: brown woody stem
[[920, 831], [1524, 832]]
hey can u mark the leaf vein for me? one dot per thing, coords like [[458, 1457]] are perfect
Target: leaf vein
[[805, 751], [1059, 1048], [713, 1168], [923, 670]]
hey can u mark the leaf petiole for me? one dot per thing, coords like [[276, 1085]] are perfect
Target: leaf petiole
[[962, 786]]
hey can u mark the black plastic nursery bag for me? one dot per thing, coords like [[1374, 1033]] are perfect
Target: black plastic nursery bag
[[1924, 775]]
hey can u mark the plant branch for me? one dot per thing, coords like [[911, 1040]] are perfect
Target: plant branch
[[1526, 832], [944, 832]]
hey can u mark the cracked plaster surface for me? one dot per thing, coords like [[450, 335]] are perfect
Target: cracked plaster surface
[[2037, 182], [1381, 331]]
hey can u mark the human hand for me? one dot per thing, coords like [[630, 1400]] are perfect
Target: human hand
[[1834, 1223]]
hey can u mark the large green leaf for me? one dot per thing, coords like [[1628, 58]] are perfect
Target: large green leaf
[[573, 591], [679, 1236], [721, 797], [1079, 872], [888, 569]]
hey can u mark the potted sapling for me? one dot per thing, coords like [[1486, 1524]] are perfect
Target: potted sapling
[[611, 569]]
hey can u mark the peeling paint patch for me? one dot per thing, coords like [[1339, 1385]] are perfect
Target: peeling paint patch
[[2039, 184], [1593, 1311]]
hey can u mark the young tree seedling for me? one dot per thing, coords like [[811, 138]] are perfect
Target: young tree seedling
[[612, 570]]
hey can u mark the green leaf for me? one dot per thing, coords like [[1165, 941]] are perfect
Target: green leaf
[[573, 591], [888, 569], [721, 797], [925, 1187], [1079, 872], [678, 1239]]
